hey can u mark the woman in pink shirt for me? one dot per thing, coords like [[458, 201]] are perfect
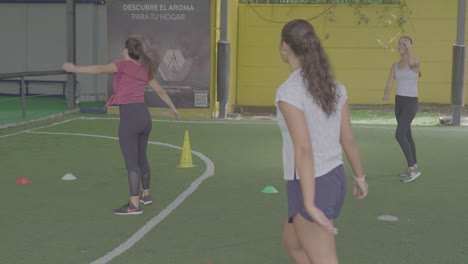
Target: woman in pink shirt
[[132, 74]]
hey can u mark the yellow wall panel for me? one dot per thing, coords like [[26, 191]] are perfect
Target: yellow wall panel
[[345, 15], [361, 55], [262, 76], [362, 37], [427, 30], [265, 96], [258, 57], [261, 37], [362, 87], [258, 87], [433, 51], [266, 15], [438, 92], [433, 9], [359, 58], [440, 72]]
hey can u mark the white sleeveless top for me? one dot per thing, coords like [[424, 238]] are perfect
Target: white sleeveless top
[[407, 81], [324, 131]]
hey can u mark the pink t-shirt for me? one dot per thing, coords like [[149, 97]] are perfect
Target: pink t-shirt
[[129, 84]]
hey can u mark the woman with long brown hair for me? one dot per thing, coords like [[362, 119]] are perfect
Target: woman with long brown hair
[[132, 74], [313, 116]]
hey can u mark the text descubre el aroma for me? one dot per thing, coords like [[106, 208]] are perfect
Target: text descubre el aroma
[[157, 7]]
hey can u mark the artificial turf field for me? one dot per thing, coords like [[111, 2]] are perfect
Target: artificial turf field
[[225, 218]]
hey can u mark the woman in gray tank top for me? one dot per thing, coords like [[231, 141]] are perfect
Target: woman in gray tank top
[[406, 71]]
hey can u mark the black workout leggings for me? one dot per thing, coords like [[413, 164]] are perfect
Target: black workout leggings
[[134, 129], [405, 111]]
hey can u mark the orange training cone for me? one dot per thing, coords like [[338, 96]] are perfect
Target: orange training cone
[[23, 180], [186, 157]]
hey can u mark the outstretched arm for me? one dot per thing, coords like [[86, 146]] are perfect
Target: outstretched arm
[[163, 95], [92, 69], [352, 153]]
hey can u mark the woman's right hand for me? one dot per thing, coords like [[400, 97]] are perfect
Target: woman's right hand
[[407, 42], [385, 98], [320, 218]]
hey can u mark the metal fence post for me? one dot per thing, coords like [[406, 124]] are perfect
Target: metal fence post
[[458, 66], [223, 63], [71, 51], [23, 97]]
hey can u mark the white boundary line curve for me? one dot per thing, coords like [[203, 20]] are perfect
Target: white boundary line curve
[[140, 233]]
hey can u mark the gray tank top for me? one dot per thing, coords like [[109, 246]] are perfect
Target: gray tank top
[[407, 81]]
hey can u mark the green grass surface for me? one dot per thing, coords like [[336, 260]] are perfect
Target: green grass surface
[[36, 107], [375, 116], [11, 110], [99, 105], [227, 219]]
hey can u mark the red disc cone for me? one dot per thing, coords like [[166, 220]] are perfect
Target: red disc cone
[[23, 180]]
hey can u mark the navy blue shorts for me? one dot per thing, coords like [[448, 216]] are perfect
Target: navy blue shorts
[[330, 192]]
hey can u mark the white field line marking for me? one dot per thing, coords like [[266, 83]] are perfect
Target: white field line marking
[[140, 233], [414, 127], [39, 119], [37, 128], [234, 122]]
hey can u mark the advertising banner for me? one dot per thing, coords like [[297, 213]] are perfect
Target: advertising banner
[[100, 2], [176, 36]]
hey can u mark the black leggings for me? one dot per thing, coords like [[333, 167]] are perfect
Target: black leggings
[[405, 111], [134, 129]]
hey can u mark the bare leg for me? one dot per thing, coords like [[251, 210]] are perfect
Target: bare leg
[[318, 244], [135, 200], [292, 245]]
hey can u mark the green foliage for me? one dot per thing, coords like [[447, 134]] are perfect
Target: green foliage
[[388, 13], [385, 15]]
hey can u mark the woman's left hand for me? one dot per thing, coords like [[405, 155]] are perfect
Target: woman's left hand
[[69, 67], [320, 218], [175, 114]]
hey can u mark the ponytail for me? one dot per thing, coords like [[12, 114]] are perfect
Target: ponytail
[[136, 52], [316, 68], [146, 61]]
